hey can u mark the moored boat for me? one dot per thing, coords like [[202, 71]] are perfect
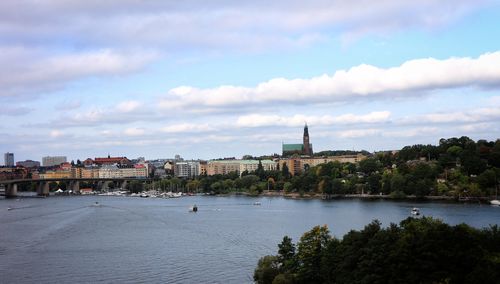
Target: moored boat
[[415, 211]]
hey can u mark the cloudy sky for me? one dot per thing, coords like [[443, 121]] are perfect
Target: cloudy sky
[[209, 79]]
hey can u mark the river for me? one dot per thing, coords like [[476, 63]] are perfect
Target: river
[[137, 240]]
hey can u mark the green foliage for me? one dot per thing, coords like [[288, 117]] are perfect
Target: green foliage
[[413, 171], [422, 250], [267, 270], [135, 186]]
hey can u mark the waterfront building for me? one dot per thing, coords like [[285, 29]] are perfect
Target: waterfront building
[[56, 174], [203, 168], [8, 159], [109, 171], [186, 169], [296, 165], [223, 167], [304, 149], [28, 164], [90, 172], [50, 161], [253, 165], [115, 171], [7, 173]]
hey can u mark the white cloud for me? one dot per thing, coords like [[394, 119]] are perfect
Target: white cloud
[[465, 116], [363, 81], [56, 133], [128, 106], [258, 120], [27, 71], [219, 24], [188, 127], [359, 133], [134, 131]]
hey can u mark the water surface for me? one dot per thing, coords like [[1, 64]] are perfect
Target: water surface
[[131, 240]]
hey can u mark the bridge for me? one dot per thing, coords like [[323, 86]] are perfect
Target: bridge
[[42, 188]]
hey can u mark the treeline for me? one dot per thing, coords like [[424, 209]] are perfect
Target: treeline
[[455, 167], [417, 251]]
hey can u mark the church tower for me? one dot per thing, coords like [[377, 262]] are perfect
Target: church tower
[[307, 145]]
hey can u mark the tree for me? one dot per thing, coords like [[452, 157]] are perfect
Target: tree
[[309, 254], [260, 171], [285, 172], [369, 165], [286, 255], [135, 186], [266, 270]]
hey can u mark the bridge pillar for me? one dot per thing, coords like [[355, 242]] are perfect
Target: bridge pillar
[[11, 190], [105, 185], [43, 189], [75, 187], [123, 186]]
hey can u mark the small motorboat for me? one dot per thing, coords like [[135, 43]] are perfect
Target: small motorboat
[[495, 202], [415, 211], [193, 208], [257, 203]]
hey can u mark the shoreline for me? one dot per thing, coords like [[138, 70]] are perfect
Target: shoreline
[[373, 197]]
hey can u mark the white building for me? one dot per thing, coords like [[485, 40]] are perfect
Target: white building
[[253, 165], [187, 169], [113, 171]]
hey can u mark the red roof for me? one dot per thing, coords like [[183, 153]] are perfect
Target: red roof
[[112, 160]]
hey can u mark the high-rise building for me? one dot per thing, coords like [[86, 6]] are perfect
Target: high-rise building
[[8, 159], [53, 160]]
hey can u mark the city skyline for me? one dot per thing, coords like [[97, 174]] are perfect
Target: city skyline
[[220, 79]]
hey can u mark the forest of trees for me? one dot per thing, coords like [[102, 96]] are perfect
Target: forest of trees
[[417, 251], [455, 167]]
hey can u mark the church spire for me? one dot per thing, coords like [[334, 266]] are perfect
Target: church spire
[[306, 145]]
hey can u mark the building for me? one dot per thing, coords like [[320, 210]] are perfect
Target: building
[[203, 168], [253, 165], [7, 173], [223, 167], [115, 171], [28, 164], [187, 169], [296, 165], [8, 159], [56, 174], [304, 149], [107, 161], [50, 161], [90, 172]]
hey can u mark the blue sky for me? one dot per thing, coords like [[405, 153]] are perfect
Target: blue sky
[[209, 79]]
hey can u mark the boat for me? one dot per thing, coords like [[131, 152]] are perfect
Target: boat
[[415, 211], [193, 208], [256, 203], [495, 201]]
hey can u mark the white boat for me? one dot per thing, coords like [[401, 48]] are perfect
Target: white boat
[[415, 211], [495, 202]]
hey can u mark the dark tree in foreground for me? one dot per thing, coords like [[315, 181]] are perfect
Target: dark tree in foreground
[[417, 251]]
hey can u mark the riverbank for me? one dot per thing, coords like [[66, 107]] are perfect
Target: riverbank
[[295, 195]]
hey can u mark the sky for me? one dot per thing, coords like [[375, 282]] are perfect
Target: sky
[[221, 78]]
